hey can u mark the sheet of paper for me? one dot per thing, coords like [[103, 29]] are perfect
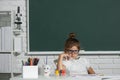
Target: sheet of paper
[[86, 77]]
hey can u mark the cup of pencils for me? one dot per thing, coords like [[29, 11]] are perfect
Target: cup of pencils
[[30, 68]]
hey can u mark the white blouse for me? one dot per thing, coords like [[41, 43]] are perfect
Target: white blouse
[[78, 66]]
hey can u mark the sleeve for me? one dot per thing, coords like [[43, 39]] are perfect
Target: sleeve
[[87, 63]]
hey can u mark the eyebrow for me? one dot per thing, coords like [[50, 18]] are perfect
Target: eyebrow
[[73, 50]]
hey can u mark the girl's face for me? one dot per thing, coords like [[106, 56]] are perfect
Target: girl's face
[[73, 52]]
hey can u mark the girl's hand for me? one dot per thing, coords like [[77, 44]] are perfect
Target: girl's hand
[[65, 56]]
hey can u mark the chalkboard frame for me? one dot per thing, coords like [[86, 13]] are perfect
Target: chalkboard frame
[[56, 51]]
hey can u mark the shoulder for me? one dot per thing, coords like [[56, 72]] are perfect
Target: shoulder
[[83, 59]]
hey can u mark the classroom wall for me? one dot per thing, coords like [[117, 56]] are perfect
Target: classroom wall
[[102, 63], [5, 57]]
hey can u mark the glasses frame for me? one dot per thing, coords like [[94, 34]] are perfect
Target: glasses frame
[[73, 51]]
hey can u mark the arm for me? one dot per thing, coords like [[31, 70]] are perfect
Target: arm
[[89, 68], [91, 71], [60, 65]]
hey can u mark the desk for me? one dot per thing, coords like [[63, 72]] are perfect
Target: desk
[[86, 77], [60, 78], [115, 77]]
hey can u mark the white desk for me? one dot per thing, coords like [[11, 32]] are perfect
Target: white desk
[[115, 77], [60, 78], [86, 77]]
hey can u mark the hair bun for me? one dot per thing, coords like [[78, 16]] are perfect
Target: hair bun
[[72, 35]]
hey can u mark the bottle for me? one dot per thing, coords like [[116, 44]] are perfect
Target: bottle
[[57, 72], [63, 72], [47, 70]]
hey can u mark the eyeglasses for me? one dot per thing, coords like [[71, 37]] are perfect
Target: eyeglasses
[[73, 51]]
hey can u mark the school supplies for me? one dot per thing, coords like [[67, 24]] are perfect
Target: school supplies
[[60, 73], [30, 68], [30, 72], [57, 72], [46, 70], [30, 62]]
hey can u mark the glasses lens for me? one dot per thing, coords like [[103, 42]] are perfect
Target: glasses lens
[[73, 51]]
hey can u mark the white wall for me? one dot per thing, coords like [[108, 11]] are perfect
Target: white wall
[[11, 5], [102, 63]]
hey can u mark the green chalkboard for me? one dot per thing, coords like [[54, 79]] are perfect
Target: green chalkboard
[[95, 22]]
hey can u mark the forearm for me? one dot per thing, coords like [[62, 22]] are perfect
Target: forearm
[[60, 65]]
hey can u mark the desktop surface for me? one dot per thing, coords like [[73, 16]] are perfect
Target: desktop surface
[[86, 77], [74, 77]]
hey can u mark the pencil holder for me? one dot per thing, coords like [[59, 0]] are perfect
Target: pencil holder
[[30, 72]]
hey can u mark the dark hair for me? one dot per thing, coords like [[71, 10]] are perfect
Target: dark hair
[[71, 41]]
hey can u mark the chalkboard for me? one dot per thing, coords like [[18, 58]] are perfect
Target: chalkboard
[[95, 22]]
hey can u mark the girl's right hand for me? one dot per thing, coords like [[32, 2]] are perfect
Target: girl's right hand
[[64, 56]]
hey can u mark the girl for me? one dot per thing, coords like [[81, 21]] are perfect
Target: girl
[[70, 61]]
